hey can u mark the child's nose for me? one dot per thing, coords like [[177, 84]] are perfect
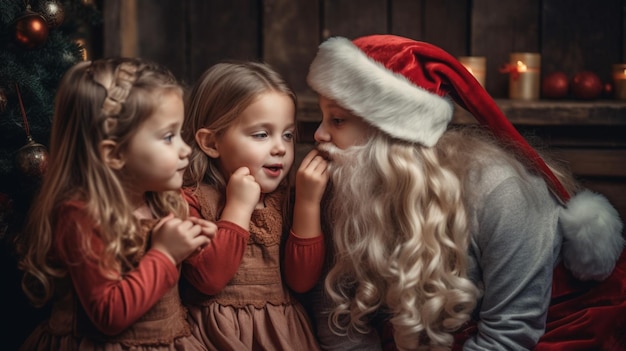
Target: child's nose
[[185, 150], [321, 134], [279, 147]]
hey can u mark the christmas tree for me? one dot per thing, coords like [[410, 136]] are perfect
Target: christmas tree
[[39, 41]]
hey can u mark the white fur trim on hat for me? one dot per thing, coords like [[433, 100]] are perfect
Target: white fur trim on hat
[[593, 238], [387, 100]]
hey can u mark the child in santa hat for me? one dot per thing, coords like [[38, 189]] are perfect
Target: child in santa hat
[[462, 238]]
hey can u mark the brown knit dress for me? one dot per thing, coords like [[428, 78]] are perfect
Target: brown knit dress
[[255, 311]]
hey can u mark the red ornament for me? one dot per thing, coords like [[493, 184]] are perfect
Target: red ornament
[[586, 85], [555, 85], [30, 30]]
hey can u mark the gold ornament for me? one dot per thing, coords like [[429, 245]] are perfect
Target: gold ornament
[[32, 159]]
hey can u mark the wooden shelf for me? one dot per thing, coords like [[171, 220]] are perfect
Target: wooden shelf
[[530, 113], [557, 113]]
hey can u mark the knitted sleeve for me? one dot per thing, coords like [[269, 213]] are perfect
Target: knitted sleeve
[[304, 258], [514, 243], [113, 303]]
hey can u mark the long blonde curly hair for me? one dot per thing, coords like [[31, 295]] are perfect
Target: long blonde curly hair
[[400, 228], [88, 110], [403, 246]]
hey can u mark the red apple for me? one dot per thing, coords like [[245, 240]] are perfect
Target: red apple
[[555, 85], [586, 85]]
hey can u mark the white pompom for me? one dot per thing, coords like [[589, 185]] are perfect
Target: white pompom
[[593, 237]]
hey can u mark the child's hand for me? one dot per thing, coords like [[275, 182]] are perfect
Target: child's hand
[[208, 228], [242, 196], [311, 178], [178, 238]]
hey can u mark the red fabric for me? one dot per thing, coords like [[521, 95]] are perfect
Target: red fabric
[[111, 304], [583, 316], [431, 68], [587, 315], [303, 262]]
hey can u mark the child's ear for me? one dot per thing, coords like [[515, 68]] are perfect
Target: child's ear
[[207, 141], [110, 155]]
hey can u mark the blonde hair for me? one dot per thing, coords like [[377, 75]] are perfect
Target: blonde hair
[[106, 99], [405, 252]]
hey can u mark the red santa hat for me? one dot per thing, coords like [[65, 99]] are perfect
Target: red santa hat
[[406, 88]]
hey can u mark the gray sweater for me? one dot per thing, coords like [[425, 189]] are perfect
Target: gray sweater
[[515, 242]]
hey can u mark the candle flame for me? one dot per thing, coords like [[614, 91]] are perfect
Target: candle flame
[[521, 66]]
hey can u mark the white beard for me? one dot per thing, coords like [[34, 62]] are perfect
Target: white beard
[[353, 181]]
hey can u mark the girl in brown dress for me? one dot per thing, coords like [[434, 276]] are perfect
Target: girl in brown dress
[[241, 128]]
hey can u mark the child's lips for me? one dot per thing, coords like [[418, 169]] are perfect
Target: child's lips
[[273, 170], [274, 167]]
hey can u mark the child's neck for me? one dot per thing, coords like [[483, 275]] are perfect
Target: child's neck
[[261, 203]]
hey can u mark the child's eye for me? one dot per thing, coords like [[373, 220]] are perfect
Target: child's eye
[[288, 136], [337, 121], [259, 135], [168, 138]]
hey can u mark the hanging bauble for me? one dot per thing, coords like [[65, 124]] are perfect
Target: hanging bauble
[[3, 100], [32, 159], [30, 30], [51, 10]]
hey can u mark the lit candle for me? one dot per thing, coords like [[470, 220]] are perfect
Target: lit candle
[[476, 66], [524, 70], [619, 81]]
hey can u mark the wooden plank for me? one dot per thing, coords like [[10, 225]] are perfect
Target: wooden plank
[[499, 28], [446, 24], [352, 19], [595, 162], [111, 31], [407, 18], [291, 35], [161, 34], [623, 31], [129, 28], [221, 30], [555, 113], [581, 35]]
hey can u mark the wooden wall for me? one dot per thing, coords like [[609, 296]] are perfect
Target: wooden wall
[[572, 35], [190, 35]]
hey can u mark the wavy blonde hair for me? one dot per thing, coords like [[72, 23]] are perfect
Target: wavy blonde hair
[[401, 235], [76, 171]]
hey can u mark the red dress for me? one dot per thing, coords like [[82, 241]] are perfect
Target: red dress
[[140, 310]]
